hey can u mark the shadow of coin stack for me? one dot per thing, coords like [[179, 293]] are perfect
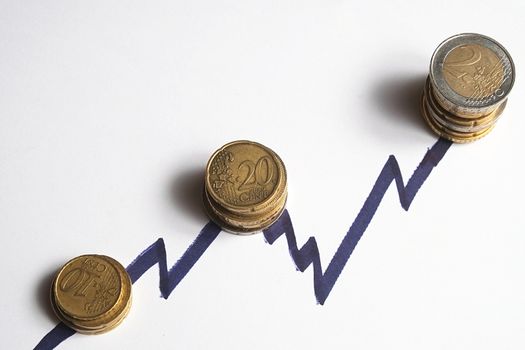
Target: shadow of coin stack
[[466, 91], [245, 187]]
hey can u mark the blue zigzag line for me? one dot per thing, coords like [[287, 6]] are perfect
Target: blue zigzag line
[[309, 253], [168, 280], [303, 257]]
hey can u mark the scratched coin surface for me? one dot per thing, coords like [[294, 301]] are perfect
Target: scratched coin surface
[[91, 294], [470, 78], [245, 187]]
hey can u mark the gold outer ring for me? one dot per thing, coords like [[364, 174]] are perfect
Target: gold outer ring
[[243, 225], [64, 269]]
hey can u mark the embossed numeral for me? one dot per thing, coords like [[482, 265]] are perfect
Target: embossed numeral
[[77, 280], [454, 68], [260, 173], [250, 178], [263, 168]]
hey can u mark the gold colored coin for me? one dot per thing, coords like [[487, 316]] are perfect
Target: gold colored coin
[[91, 294], [243, 224], [243, 175], [87, 287], [119, 311], [245, 187]]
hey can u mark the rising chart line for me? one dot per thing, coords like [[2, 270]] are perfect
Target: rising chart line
[[303, 257], [309, 253]]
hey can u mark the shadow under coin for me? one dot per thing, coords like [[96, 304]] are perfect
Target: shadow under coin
[[43, 295], [186, 193], [400, 97]]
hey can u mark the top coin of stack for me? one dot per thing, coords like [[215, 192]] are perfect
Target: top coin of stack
[[470, 78], [91, 294], [245, 187]]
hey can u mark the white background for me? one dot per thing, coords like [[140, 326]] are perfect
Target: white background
[[109, 111]]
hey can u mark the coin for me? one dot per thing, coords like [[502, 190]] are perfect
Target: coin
[[91, 294], [242, 224], [245, 187], [243, 176], [447, 133], [470, 78]]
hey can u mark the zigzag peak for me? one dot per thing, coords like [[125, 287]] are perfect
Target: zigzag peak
[[308, 254], [303, 257]]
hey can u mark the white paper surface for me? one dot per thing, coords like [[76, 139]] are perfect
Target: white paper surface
[[108, 114]]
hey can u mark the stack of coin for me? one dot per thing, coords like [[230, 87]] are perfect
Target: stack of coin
[[91, 294], [244, 187], [466, 91]]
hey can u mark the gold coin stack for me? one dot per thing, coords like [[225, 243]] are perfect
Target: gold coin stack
[[245, 187], [466, 91], [91, 294]]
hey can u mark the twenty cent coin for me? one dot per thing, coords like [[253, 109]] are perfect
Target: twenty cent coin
[[245, 187]]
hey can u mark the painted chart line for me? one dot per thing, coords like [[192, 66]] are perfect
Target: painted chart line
[[303, 257]]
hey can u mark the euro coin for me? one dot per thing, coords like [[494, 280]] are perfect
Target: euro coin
[[470, 78], [245, 187], [91, 294]]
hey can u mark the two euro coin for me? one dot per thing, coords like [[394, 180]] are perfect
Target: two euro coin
[[470, 78]]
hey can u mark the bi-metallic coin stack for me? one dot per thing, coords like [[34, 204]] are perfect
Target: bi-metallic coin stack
[[91, 294], [245, 187], [466, 91]]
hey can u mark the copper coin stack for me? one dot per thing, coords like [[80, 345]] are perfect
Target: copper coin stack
[[245, 187], [91, 294], [466, 91]]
